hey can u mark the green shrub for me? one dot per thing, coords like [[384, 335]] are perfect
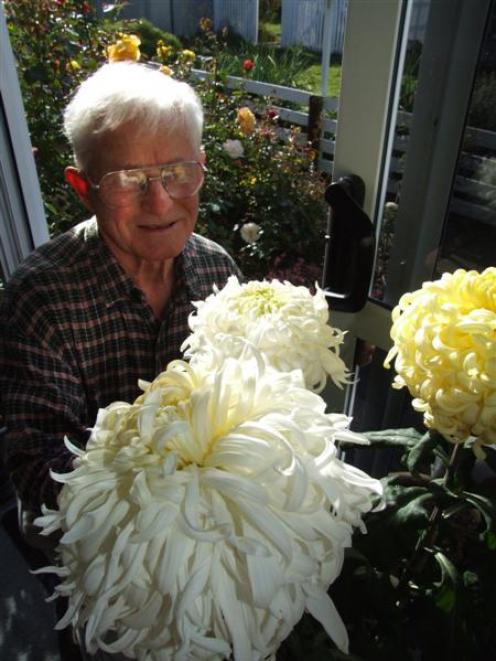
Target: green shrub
[[279, 66], [274, 185], [150, 34], [56, 44]]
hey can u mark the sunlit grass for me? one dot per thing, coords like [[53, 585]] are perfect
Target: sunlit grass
[[309, 79], [269, 32]]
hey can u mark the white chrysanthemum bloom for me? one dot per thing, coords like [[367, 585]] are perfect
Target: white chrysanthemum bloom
[[286, 323], [202, 520], [233, 148], [250, 232], [445, 353]]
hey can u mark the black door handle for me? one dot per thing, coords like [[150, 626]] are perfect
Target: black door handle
[[350, 246]]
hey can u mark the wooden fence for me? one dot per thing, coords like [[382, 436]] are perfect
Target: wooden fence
[[472, 196]]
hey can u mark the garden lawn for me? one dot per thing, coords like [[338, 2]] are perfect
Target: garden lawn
[[309, 79]]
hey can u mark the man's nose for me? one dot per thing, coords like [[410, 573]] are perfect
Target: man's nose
[[156, 196]]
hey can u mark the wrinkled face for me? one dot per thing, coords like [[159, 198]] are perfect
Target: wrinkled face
[[153, 227]]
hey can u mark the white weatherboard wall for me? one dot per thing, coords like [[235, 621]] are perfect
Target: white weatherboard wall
[[182, 17]]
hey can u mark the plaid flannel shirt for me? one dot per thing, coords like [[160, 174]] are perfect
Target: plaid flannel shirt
[[75, 335]]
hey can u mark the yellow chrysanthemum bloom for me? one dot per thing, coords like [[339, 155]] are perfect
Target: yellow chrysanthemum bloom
[[187, 56], [166, 70], [126, 48], [163, 50], [445, 354], [246, 121]]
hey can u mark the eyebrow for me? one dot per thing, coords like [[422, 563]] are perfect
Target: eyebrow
[[147, 167]]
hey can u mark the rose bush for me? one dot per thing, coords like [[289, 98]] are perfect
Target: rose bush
[[56, 45], [259, 171]]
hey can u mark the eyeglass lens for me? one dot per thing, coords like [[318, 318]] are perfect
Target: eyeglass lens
[[179, 180]]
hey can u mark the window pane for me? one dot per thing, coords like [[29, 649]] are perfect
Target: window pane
[[466, 227], [409, 83], [469, 236]]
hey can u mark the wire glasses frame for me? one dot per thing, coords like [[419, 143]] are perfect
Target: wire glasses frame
[[123, 187]]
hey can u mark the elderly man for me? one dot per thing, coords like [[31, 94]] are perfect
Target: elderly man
[[107, 303]]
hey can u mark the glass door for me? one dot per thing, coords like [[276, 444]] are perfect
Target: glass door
[[416, 122]]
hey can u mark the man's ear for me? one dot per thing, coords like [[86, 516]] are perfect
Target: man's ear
[[79, 184]]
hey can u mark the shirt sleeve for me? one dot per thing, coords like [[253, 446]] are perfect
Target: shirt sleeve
[[42, 401]]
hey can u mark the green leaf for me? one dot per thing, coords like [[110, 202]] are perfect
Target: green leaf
[[486, 506], [445, 599], [470, 579], [36, 73], [414, 511], [446, 593], [490, 538], [407, 437], [421, 453]]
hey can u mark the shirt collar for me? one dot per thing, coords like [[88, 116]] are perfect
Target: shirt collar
[[114, 282]]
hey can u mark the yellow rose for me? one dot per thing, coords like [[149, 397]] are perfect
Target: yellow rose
[[163, 50], [166, 70], [206, 24], [187, 56], [73, 65], [246, 121], [126, 48], [445, 354]]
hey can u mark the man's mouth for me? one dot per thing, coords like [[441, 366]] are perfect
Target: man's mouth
[[159, 227]]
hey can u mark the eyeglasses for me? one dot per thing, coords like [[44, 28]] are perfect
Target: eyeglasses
[[124, 187]]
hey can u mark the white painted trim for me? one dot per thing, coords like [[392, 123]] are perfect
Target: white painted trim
[[367, 86]]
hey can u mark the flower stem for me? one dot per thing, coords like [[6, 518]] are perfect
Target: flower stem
[[428, 538]]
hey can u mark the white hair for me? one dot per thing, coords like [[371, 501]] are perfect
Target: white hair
[[122, 92]]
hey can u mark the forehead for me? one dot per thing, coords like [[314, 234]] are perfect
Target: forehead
[[131, 147]]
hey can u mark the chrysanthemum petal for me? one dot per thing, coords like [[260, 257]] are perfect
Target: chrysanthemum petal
[[323, 609]]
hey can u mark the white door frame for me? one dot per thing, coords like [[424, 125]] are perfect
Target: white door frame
[[372, 63]]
